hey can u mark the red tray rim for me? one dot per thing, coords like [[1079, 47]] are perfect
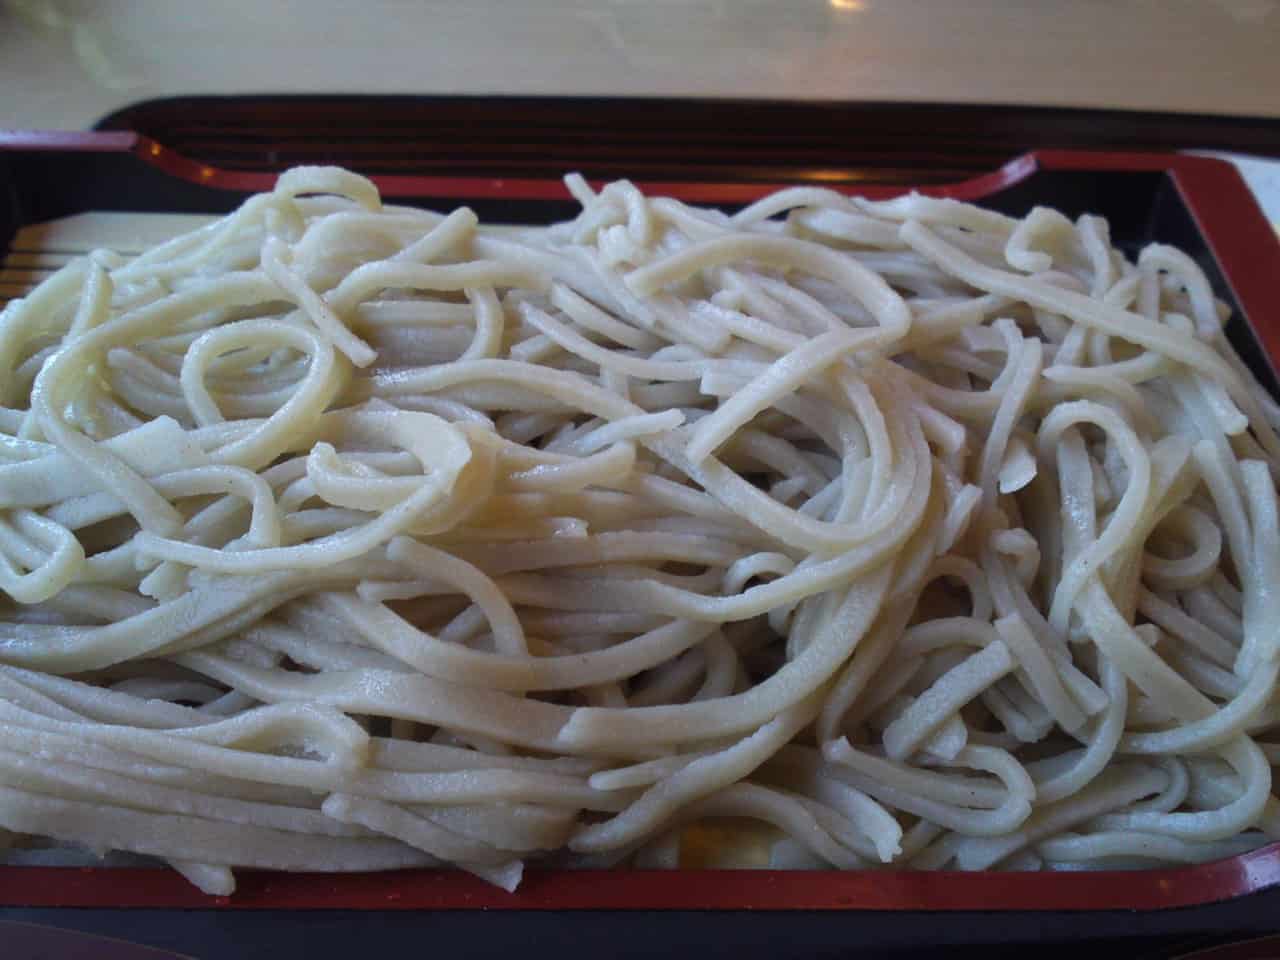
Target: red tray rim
[[1247, 251], [1018, 168]]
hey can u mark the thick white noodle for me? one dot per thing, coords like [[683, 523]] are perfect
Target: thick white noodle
[[343, 537]]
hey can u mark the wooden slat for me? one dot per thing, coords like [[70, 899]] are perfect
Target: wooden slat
[[41, 260], [127, 233], [40, 249]]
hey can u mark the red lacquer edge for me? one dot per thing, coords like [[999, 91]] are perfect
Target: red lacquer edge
[[656, 890], [1247, 251], [1242, 239], [448, 188]]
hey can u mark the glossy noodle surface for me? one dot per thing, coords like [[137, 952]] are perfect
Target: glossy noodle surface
[[337, 536]]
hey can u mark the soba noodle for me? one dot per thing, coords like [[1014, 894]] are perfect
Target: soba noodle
[[339, 536]]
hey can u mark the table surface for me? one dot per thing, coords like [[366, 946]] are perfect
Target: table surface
[[65, 63]]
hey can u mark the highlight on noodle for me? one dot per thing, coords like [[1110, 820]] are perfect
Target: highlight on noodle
[[342, 536]]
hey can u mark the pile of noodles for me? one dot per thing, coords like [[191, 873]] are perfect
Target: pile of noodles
[[340, 536]]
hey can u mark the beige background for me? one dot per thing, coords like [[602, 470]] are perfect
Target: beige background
[[64, 63]]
